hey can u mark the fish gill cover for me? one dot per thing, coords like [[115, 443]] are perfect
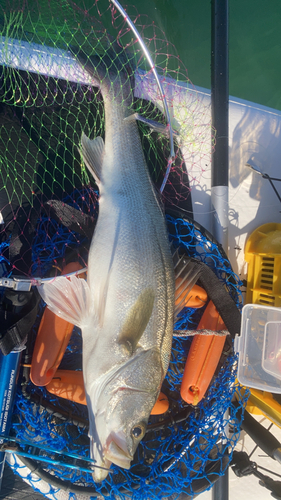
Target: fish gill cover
[[49, 206]]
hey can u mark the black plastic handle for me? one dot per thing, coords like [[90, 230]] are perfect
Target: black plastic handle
[[262, 437]]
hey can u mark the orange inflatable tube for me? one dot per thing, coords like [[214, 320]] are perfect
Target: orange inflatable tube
[[69, 384], [51, 341], [203, 357], [197, 297]]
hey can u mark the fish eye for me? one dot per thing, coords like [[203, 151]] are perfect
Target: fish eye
[[138, 431]]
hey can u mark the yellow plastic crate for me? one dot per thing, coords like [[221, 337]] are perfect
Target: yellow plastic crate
[[263, 254]]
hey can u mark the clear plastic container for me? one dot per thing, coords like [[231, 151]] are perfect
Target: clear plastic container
[[259, 348]]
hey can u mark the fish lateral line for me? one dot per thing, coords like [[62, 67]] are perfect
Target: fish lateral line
[[130, 388]]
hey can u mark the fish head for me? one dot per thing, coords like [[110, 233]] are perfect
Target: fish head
[[119, 420]]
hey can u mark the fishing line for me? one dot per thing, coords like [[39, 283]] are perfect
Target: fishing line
[[25, 284]]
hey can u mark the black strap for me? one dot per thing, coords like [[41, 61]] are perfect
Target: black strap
[[18, 321], [18, 310], [23, 231], [70, 217], [220, 296]]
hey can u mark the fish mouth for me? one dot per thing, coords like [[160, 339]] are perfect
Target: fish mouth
[[116, 450], [99, 474]]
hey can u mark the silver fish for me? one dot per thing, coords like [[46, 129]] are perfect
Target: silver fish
[[126, 307]]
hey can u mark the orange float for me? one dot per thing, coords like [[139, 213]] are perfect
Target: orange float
[[197, 297], [68, 384], [203, 357]]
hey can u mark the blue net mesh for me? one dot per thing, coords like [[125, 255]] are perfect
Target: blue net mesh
[[185, 449]]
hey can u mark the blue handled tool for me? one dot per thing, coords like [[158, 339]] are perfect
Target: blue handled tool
[[9, 367]]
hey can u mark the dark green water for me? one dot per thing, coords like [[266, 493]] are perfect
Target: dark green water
[[254, 43], [254, 39]]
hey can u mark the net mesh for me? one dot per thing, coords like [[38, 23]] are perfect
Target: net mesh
[[43, 116], [45, 104]]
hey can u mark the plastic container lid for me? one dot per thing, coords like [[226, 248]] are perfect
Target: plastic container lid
[[259, 348]]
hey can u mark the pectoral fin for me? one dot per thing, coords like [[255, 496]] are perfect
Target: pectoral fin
[[92, 152], [136, 320], [68, 298]]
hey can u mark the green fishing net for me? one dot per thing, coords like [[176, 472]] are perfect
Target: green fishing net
[[49, 205], [46, 104]]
